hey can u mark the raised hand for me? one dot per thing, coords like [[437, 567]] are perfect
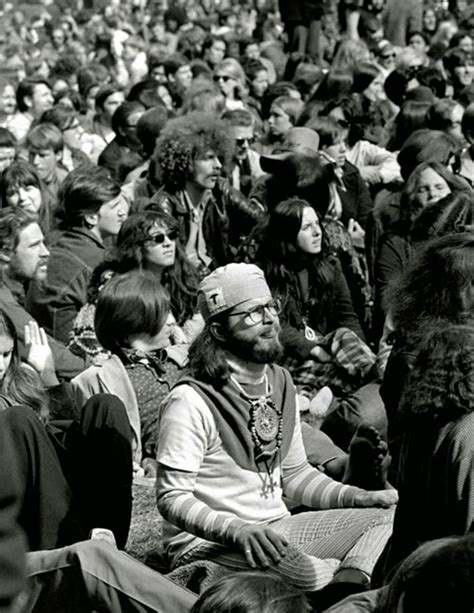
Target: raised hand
[[39, 355]]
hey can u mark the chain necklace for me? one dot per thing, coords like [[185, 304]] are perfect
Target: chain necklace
[[266, 427]]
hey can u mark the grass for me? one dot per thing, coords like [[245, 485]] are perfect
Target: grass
[[146, 525]]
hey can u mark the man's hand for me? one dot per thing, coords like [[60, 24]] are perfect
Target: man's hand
[[39, 354], [379, 498], [261, 545]]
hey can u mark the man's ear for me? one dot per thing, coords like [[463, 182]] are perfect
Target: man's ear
[[218, 332], [91, 219]]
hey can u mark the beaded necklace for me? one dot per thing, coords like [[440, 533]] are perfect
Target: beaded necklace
[[266, 425]]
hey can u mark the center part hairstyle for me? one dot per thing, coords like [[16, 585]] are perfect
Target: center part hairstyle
[[130, 305]]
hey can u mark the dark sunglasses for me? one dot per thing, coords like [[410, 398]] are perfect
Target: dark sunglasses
[[390, 56], [222, 77], [243, 141], [160, 238]]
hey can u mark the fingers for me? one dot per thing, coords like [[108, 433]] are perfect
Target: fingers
[[27, 335], [43, 337], [34, 335], [265, 548]]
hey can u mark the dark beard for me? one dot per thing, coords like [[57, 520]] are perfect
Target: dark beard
[[253, 351]]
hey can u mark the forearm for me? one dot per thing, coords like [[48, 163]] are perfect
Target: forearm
[[179, 506], [315, 490]]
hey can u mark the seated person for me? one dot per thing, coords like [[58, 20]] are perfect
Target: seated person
[[212, 216], [131, 322], [7, 148], [45, 146], [62, 494], [24, 259], [146, 241], [93, 211], [321, 335], [230, 447]]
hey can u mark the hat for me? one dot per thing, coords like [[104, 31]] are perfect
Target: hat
[[230, 285], [297, 140], [421, 94]]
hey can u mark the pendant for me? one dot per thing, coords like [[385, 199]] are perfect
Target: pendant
[[309, 333], [265, 419]]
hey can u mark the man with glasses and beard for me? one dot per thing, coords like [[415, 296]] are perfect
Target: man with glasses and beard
[[230, 448]]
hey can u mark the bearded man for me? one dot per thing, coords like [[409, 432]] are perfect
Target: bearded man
[[230, 448]]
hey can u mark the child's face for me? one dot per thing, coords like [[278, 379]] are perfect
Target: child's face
[[6, 350], [45, 162]]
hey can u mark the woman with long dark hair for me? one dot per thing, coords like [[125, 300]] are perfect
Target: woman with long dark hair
[[146, 241], [321, 334]]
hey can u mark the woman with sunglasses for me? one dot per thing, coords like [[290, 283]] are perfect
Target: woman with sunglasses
[[230, 79], [146, 241]]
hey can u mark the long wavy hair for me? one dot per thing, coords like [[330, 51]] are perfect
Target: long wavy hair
[[280, 258], [181, 279], [21, 385], [436, 289], [206, 358], [440, 386]]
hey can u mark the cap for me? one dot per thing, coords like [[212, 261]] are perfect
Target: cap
[[230, 285], [297, 140]]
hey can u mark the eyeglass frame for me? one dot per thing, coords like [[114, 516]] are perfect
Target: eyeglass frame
[[274, 307], [224, 77]]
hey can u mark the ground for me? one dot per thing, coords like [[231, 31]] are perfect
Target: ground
[[145, 529]]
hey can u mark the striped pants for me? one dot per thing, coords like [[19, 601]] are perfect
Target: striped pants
[[320, 542]]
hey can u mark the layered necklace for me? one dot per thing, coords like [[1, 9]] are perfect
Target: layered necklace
[[266, 425]]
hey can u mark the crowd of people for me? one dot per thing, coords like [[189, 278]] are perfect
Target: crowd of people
[[237, 265]]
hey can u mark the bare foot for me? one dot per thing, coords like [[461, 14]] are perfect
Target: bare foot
[[368, 461]]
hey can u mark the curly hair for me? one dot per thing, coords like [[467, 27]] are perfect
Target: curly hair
[[185, 139], [181, 279], [440, 386], [436, 289]]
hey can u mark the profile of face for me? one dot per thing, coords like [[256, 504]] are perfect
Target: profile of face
[[45, 162], [387, 58], [431, 187], [8, 100], [41, 100], [160, 250], [6, 353], [309, 238], [206, 171], [110, 217], [243, 136], [73, 134], [337, 151], [375, 91], [259, 84], [161, 340], [111, 103], [165, 95], [29, 261], [7, 156], [279, 122], [129, 131], [27, 197], [252, 331], [252, 51]]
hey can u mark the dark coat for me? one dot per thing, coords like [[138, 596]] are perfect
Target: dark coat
[[228, 217], [74, 255], [355, 197], [339, 314]]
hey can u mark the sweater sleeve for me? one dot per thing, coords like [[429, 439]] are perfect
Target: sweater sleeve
[[178, 505], [309, 486]]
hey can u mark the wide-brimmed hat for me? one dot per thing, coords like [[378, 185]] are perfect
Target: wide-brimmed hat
[[298, 140]]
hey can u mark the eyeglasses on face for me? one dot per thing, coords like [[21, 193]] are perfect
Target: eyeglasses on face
[[159, 238], [389, 56], [222, 77], [257, 314]]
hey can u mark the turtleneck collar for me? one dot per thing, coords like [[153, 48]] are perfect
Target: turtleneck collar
[[245, 371]]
